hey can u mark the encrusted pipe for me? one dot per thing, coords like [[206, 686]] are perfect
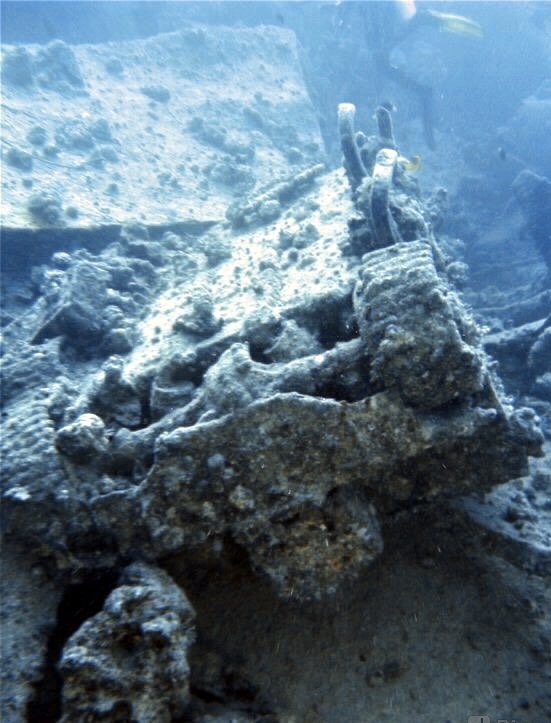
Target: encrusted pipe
[[386, 230], [353, 164], [384, 123]]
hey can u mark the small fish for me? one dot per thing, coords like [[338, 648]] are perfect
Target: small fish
[[412, 164], [457, 24], [510, 158]]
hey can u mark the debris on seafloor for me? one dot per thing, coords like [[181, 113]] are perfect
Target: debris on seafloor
[[254, 416]]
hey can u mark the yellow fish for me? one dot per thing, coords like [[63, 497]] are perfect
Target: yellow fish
[[412, 164], [457, 24]]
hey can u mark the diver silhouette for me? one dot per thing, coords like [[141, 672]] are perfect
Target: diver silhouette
[[385, 26]]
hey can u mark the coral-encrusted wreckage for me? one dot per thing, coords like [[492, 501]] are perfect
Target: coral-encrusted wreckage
[[263, 403]]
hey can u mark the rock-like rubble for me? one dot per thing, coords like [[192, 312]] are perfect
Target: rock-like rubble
[[265, 403], [130, 660]]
